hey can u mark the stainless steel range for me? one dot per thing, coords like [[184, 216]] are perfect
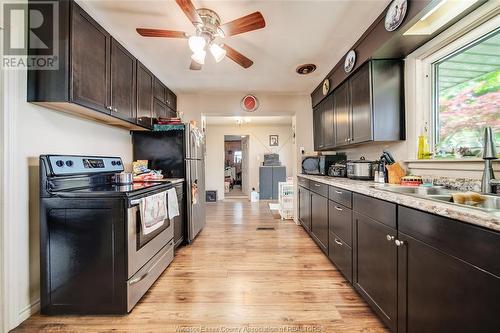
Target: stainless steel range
[[95, 258]]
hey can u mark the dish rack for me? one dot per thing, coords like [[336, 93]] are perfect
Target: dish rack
[[285, 198]]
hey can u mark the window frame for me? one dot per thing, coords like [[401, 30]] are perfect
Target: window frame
[[434, 119], [427, 72]]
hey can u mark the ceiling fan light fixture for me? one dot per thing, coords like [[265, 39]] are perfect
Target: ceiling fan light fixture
[[197, 43], [199, 57], [218, 52]]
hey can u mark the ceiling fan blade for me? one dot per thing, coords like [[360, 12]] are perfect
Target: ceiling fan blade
[[194, 66], [247, 23], [160, 33], [190, 11], [237, 57]]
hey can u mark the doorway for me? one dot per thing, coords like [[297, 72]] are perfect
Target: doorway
[[235, 168]]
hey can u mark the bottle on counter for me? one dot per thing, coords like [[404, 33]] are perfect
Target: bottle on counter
[[381, 172]]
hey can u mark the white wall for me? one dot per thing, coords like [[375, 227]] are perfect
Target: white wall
[[258, 145], [36, 131]]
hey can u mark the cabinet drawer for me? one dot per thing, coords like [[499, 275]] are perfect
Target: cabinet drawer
[[303, 182], [472, 244], [380, 210], [341, 255], [340, 221], [340, 196], [321, 189]]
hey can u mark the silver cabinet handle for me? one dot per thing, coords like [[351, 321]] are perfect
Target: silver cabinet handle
[[345, 140], [399, 242], [338, 208], [339, 243], [110, 108], [317, 185], [338, 192], [115, 109], [390, 238]]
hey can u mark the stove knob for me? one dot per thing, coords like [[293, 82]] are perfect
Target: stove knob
[[69, 163], [113, 163], [60, 163], [118, 163]]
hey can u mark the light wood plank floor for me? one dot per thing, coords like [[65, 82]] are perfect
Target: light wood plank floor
[[235, 277]]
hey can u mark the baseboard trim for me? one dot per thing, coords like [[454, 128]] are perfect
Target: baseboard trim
[[29, 310]]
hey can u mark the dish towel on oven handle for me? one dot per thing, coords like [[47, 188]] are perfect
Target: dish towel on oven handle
[[153, 211], [173, 204]]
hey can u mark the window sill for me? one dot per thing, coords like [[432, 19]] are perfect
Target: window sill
[[454, 168], [450, 160]]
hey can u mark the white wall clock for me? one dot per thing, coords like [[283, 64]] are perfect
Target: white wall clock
[[350, 60], [395, 14]]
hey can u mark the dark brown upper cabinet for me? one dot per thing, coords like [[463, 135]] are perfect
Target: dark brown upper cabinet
[[90, 65], [96, 78], [145, 88], [368, 107], [123, 82], [160, 91], [323, 122]]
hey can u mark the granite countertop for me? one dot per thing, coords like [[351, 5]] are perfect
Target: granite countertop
[[490, 220]]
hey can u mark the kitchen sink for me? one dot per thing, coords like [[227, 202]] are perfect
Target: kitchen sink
[[491, 203]]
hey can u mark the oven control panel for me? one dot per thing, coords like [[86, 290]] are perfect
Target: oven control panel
[[69, 164]]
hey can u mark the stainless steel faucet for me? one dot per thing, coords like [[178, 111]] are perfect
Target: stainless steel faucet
[[489, 154]]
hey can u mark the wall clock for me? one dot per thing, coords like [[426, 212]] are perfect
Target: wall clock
[[249, 103], [326, 87], [395, 14], [350, 60]]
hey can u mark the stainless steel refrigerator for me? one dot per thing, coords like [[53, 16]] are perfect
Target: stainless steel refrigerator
[[179, 153]]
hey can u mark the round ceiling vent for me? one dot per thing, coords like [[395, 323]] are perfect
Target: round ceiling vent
[[306, 69]]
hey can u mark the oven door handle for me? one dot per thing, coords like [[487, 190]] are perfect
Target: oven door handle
[[145, 275], [135, 202]]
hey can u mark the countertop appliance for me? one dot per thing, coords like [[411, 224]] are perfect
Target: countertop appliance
[[319, 165], [338, 169], [178, 153], [361, 169], [94, 257]]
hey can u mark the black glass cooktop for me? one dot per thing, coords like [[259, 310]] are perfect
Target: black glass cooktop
[[115, 189]]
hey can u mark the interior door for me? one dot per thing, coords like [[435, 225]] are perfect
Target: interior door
[[123, 78], [90, 45]]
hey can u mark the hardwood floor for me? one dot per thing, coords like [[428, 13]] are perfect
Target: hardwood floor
[[237, 279]]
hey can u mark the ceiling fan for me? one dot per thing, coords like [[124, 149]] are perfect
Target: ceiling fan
[[208, 27]]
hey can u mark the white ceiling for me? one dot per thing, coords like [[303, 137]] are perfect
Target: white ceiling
[[296, 32], [264, 120]]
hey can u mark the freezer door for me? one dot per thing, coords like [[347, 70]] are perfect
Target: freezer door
[[195, 197], [194, 148]]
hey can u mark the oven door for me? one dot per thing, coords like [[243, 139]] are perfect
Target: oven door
[[141, 248]]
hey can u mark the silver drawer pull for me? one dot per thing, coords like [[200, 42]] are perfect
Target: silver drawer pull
[[399, 242], [389, 238], [338, 208], [338, 192], [317, 185], [339, 243]]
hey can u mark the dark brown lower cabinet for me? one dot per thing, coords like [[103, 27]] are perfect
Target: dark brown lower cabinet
[[447, 275], [305, 208], [341, 255], [375, 266], [319, 220]]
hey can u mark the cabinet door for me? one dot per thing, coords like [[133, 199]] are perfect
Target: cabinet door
[[327, 115], [179, 222], [160, 91], [361, 106], [171, 100], [144, 96], [123, 78], [319, 220], [305, 208], [375, 267], [342, 116], [435, 287], [159, 109], [90, 58], [318, 127]]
